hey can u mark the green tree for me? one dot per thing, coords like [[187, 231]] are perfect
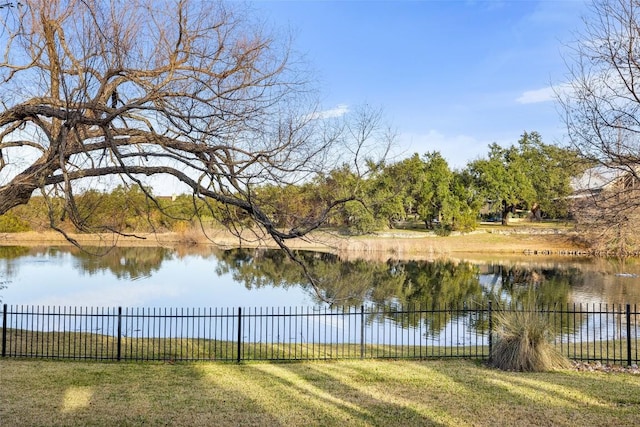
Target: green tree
[[408, 178], [465, 204], [436, 202], [501, 180], [549, 169], [427, 188], [530, 175], [289, 204], [355, 216], [125, 208], [388, 195]]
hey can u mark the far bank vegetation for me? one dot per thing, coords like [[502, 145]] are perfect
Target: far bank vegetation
[[530, 180]]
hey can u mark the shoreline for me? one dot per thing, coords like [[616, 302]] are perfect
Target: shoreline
[[396, 243]]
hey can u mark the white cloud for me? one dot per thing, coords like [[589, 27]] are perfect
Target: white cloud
[[536, 96], [332, 113], [546, 94]]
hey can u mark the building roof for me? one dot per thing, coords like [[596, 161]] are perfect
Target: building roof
[[596, 179]]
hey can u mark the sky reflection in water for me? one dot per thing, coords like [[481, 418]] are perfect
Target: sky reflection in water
[[59, 279]]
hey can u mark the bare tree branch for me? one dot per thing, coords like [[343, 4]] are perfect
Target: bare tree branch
[[601, 105], [193, 90], [197, 91]]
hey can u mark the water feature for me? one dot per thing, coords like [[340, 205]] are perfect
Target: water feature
[[254, 279], [205, 277]]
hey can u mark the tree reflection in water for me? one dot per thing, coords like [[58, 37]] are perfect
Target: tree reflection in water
[[125, 263], [381, 286], [423, 285]]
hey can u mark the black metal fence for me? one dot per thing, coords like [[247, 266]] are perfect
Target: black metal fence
[[590, 332]]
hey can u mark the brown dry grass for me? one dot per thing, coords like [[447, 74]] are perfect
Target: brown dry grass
[[397, 244], [524, 342]]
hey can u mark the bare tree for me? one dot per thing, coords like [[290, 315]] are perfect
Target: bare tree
[[601, 103], [607, 224], [193, 90]]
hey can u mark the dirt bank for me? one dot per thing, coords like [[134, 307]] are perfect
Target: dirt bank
[[398, 244]]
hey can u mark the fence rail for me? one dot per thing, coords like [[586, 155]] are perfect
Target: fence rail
[[590, 332]]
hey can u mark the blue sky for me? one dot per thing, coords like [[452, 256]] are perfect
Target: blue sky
[[451, 76]]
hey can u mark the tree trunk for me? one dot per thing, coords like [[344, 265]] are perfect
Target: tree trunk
[[536, 212], [506, 209], [19, 190]]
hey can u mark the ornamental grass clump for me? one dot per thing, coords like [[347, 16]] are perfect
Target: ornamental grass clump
[[524, 341]]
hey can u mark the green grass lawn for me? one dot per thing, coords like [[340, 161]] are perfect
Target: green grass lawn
[[345, 393], [81, 345]]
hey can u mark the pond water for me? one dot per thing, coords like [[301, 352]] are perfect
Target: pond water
[[160, 277]]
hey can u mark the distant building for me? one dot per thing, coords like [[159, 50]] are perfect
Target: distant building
[[601, 179]]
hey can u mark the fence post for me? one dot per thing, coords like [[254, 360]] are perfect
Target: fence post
[[4, 330], [119, 333], [490, 329], [239, 333], [628, 334], [362, 332]]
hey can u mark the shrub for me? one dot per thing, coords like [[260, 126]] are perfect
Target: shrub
[[360, 220], [10, 223], [442, 230], [524, 341]]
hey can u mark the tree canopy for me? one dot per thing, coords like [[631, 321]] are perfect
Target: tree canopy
[[530, 175]]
